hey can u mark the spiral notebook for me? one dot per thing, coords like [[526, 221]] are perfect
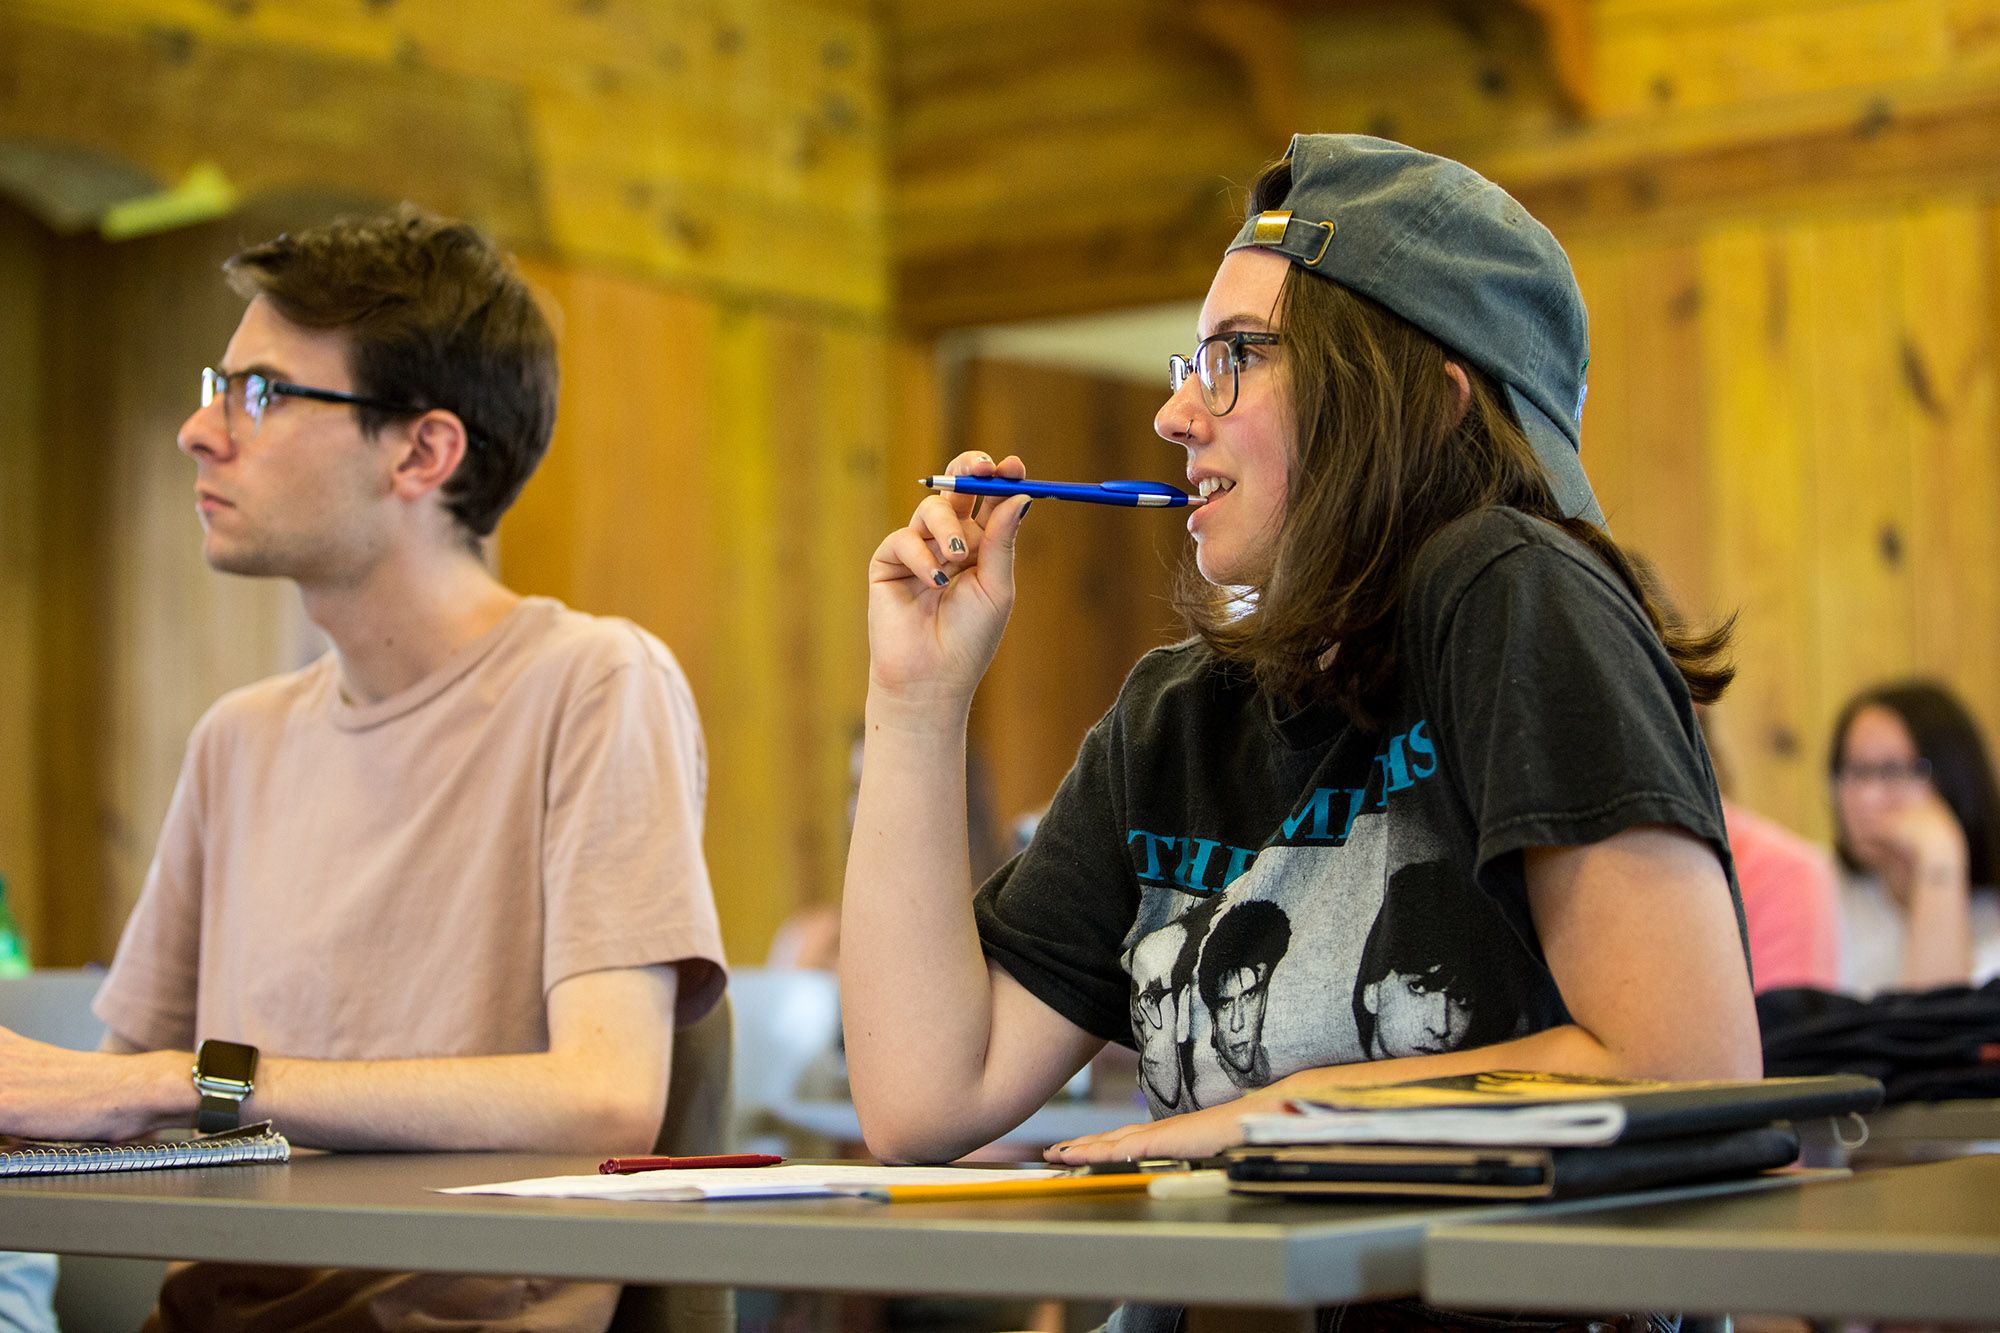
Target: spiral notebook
[[252, 1143]]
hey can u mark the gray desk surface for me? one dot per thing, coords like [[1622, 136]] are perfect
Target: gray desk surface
[[378, 1211], [370, 1211], [1906, 1132], [1908, 1242], [1962, 1120]]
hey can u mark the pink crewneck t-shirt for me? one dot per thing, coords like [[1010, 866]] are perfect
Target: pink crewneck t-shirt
[[410, 877]]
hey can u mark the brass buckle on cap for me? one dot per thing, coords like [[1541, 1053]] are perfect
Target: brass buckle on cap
[[1270, 228], [1270, 231]]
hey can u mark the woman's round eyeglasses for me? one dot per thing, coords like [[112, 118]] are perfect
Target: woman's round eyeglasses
[[1217, 362]]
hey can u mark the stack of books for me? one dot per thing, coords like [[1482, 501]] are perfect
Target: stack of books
[[1512, 1134]]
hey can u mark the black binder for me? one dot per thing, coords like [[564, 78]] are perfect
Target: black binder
[[1446, 1171]]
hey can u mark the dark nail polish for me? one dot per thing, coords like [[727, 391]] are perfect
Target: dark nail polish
[[940, 578], [956, 546]]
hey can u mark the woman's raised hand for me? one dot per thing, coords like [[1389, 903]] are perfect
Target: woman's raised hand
[[1925, 847], [940, 588]]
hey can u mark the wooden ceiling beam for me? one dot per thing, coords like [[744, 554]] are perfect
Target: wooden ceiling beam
[[1572, 58], [354, 128], [1914, 140], [1129, 142], [1917, 140]]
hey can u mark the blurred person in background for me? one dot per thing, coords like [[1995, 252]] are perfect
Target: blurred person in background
[[1917, 830]]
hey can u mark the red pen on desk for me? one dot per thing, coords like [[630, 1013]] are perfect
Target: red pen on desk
[[625, 1166]]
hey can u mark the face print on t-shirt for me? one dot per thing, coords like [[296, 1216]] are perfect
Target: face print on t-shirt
[[1346, 938], [1413, 1015], [1233, 979], [1158, 964], [1422, 980]]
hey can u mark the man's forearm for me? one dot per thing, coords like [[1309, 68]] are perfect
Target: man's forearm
[[542, 1102], [601, 1085], [500, 1103]]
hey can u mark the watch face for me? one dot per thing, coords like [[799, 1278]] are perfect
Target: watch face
[[227, 1061]]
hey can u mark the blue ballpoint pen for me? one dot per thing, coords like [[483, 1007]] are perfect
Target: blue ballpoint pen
[[1138, 494]]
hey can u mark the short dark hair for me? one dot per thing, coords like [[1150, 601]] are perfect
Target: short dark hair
[[436, 317], [1948, 740], [1247, 935], [1435, 924]]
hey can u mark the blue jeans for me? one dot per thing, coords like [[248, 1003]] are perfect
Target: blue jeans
[[27, 1290]]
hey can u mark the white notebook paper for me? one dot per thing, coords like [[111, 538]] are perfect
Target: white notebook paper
[[749, 1182]]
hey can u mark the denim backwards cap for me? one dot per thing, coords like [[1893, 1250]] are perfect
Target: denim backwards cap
[[1455, 255]]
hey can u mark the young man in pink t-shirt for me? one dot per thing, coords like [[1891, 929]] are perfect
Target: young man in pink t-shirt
[[443, 888]]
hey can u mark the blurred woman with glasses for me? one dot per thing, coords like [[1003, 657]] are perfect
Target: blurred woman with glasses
[[1917, 829]]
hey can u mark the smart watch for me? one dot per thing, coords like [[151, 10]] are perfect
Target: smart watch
[[224, 1074]]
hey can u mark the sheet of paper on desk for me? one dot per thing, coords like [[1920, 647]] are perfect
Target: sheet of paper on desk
[[754, 1182]]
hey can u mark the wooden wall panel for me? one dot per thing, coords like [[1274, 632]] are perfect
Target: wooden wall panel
[[1091, 582], [1008, 204], [1665, 514], [1845, 289], [1949, 326], [168, 634], [1676, 56], [720, 143], [1760, 498], [117, 634], [23, 297], [716, 477], [1643, 428]]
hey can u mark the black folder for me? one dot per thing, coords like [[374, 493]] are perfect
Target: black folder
[[1445, 1171]]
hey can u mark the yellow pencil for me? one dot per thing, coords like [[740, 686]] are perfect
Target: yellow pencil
[[1129, 1182]]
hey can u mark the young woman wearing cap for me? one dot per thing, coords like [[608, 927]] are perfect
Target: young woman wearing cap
[[1449, 732]]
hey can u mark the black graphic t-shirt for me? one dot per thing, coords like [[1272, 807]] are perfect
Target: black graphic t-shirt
[[1241, 894]]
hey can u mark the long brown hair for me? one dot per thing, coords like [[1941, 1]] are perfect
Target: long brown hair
[[1381, 461]]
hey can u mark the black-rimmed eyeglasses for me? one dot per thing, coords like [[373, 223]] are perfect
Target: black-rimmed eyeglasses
[[250, 393], [1889, 773], [1217, 362]]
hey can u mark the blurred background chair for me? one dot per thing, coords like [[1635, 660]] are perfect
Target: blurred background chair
[[786, 1051], [697, 1122]]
